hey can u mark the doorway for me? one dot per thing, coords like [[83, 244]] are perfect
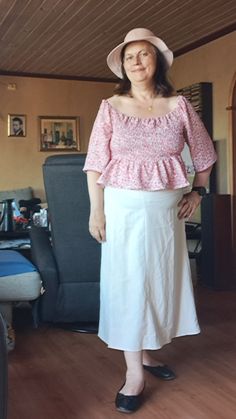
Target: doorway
[[233, 110]]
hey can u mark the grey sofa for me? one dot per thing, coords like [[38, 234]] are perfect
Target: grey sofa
[[69, 263], [3, 371], [19, 281], [17, 194]]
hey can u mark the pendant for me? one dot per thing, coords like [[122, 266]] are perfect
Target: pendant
[[150, 108]]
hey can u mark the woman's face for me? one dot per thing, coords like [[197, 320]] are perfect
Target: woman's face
[[140, 61]]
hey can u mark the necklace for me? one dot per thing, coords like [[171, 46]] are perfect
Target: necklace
[[150, 106]]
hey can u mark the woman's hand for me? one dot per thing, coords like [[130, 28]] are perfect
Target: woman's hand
[[97, 224], [188, 204]]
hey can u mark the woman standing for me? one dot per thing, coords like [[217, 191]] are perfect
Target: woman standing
[[137, 186]]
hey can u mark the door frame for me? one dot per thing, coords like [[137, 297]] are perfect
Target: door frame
[[232, 160]]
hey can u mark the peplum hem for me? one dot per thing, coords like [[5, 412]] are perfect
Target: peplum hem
[[146, 153], [148, 174]]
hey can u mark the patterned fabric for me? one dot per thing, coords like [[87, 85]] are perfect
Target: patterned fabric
[[145, 153]]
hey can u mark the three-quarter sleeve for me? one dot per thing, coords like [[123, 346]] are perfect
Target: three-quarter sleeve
[[99, 154], [200, 144]]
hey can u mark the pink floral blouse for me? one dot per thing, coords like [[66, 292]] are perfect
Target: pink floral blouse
[[145, 153]]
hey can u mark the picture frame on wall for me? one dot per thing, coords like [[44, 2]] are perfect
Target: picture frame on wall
[[16, 125], [59, 133]]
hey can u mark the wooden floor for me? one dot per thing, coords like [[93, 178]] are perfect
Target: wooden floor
[[56, 374]]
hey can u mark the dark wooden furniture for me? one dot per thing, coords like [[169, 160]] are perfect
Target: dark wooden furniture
[[216, 253], [216, 258], [9, 235], [11, 242], [200, 97]]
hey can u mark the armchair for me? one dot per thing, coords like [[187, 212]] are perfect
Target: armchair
[[69, 261]]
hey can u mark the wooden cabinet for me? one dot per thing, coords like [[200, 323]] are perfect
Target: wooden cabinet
[[200, 97], [216, 253], [216, 260]]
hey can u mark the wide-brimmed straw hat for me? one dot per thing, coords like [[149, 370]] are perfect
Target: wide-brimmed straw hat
[[137, 34]]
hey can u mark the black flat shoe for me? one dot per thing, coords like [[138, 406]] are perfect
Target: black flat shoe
[[161, 371], [128, 404]]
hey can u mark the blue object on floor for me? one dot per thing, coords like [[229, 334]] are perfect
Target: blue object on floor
[[13, 263]]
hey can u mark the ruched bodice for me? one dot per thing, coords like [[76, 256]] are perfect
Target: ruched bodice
[[145, 153]]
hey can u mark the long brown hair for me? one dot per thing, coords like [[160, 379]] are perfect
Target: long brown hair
[[162, 84]]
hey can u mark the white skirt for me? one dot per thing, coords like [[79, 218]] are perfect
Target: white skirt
[[146, 287]]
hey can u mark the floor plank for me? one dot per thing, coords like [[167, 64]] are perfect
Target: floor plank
[[54, 373]]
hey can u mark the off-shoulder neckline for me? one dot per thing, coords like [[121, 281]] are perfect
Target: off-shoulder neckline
[[145, 118]]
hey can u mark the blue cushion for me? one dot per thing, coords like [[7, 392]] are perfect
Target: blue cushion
[[13, 263]]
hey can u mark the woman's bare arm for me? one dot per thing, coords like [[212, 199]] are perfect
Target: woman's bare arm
[[97, 217]]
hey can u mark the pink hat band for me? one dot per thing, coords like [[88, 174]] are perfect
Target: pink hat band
[[138, 34]]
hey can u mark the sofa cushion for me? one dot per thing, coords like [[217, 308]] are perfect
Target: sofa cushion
[[20, 287], [13, 263], [19, 279]]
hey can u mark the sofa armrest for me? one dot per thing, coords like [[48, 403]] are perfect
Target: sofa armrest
[[43, 258], [4, 370]]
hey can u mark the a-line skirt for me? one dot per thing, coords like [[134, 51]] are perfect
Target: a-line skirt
[[146, 287]]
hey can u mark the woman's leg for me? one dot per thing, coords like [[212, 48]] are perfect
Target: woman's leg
[[148, 360], [134, 375], [156, 368]]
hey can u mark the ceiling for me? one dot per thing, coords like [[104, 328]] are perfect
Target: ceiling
[[71, 38]]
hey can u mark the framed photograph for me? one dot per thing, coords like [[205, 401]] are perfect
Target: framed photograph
[[59, 133], [16, 125]]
